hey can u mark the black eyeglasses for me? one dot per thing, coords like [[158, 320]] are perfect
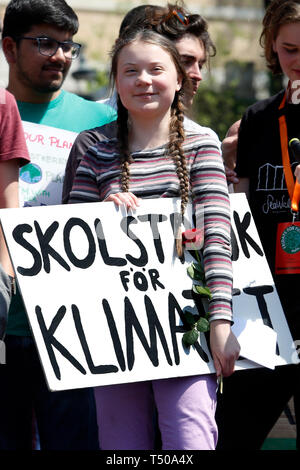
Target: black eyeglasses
[[49, 46]]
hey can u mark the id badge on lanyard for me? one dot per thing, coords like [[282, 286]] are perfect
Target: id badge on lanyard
[[287, 259]]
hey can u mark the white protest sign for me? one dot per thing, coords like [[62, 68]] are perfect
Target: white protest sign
[[106, 307], [41, 180], [255, 299]]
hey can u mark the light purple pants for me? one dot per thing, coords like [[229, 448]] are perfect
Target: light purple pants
[[186, 414]]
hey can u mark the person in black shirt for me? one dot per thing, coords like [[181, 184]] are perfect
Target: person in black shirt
[[254, 399]]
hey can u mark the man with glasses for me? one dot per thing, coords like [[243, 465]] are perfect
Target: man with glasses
[[39, 48], [37, 41]]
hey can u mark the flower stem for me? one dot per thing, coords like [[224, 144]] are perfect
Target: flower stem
[[220, 382]]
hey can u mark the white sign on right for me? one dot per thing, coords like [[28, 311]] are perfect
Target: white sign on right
[[256, 304]]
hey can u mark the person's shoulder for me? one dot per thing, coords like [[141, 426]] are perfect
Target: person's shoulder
[[86, 114], [91, 137], [193, 128], [201, 140], [266, 105], [90, 105], [99, 133], [68, 95], [7, 98], [99, 144]]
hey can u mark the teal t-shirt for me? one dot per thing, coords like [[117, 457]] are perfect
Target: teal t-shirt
[[68, 111], [72, 113]]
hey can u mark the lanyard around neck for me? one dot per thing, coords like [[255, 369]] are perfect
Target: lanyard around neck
[[292, 186]]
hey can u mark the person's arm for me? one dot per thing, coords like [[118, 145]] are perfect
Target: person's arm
[[85, 187], [79, 148], [210, 194], [82, 143], [297, 173], [224, 347], [229, 149], [9, 197]]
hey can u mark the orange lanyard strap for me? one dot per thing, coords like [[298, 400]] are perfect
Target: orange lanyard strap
[[293, 188]]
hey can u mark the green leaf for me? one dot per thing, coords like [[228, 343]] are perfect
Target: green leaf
[[191, 271], [202, 291], [190, 318], [198, 267], [202, 325], [190, 337], [195, 273]]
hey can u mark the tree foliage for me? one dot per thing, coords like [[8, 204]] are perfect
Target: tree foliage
[[218, 108]]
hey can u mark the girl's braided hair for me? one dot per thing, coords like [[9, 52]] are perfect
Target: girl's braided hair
[[176, 136]]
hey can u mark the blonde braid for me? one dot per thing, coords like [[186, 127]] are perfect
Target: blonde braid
[[177, 136], [122, 136]]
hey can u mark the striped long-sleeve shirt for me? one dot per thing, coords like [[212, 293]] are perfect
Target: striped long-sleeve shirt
[[153, 175]]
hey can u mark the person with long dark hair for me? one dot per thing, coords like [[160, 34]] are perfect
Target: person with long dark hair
[[151, 141]]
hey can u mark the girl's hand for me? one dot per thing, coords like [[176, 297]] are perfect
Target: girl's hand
[[129, 199], [224, 346]]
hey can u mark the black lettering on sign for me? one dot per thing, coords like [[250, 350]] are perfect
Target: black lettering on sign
[[124, 279], [90, 257], [18, 235], [235, 292], [140, 280], [131, 322], [143, 259], [174, 328], [102, 369], [177, 220], [46, 249], [234, 246], [109, 260], [259, 292], [114, 334], [244, 236], [154, 220], [154, 275], [51, 342]]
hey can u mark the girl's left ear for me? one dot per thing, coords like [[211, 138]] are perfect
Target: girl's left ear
[[274, 46], [179, 84]]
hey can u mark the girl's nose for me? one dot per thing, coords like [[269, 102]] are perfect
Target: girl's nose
[[143, 77]]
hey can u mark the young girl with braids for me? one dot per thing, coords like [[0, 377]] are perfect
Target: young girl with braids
[[151, 145]]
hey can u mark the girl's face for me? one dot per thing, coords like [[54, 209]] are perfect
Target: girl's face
[[146, 80], [287, 46]]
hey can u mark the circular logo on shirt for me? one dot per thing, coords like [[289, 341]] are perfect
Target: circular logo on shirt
[[31, 173], [290, 239]]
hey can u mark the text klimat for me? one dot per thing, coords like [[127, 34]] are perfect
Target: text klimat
[[125, 357]]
